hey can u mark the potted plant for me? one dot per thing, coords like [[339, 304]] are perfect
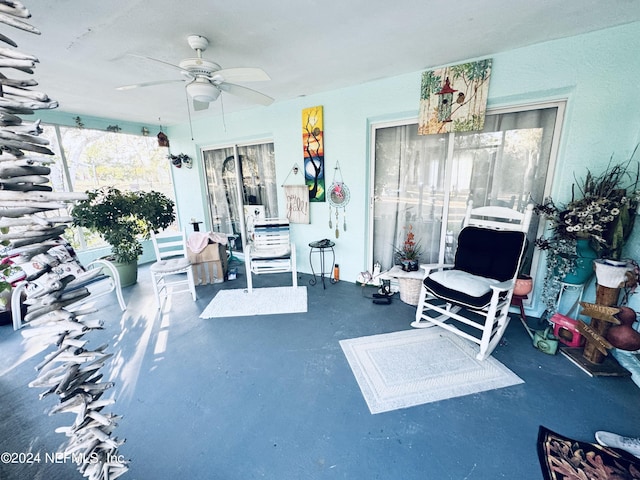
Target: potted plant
[[408, 253], [122, 218], [595, 224], [524, 285]]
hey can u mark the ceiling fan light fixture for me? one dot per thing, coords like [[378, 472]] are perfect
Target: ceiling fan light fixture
[[203, 92]]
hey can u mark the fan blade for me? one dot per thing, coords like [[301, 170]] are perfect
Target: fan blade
[[242, 74], [246, 93], [198, 106], [147, 84], [156, 60]]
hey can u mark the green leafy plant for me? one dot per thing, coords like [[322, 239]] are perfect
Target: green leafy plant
[[122, 218]]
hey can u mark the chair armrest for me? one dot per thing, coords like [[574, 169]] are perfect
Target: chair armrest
[[503, 286], [114, 277], [293, 253], [430, 267], [16, 312], [104, 263]]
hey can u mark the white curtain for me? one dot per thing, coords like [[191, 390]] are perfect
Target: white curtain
[[257, 164], [408, 191], [504, 164]]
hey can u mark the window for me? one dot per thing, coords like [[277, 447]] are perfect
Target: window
[[86, 159], [426, 181]]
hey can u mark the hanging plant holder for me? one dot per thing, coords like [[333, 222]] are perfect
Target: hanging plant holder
[[339, 197], [181, 159]]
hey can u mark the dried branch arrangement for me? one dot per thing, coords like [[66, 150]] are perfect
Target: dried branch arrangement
[[30, 229]]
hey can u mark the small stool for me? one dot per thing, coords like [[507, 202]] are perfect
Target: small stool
[[518, 301], [566, 330]]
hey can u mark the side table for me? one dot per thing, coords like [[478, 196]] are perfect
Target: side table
[[321, 247], [410, 283], [578, 291]]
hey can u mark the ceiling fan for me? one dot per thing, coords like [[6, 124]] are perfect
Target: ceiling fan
[[205, 80]]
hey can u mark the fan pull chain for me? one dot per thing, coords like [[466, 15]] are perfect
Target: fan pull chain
[[224, 123], [189, 114]]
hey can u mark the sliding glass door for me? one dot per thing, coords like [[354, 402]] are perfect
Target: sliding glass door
[[240, 176], [408, 190], [425, 182]]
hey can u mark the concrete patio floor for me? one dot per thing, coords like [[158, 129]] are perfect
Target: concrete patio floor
[[273, 397]]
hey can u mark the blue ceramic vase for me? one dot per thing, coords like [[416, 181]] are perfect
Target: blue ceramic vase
[[584, 263]]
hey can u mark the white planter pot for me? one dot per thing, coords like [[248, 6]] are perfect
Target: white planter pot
[[610, 273]]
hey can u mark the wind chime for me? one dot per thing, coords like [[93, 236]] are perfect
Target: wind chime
[[338, 199]]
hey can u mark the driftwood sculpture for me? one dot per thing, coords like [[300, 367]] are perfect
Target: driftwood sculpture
[[30, 228]]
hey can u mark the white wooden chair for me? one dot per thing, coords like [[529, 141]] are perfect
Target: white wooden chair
[[490, 249], [172, 272], [271, 250]]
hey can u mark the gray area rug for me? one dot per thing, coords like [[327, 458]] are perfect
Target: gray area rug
[[413, 367], [261, 301]]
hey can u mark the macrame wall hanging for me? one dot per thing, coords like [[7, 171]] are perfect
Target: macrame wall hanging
[[339, 197], [297, 197]]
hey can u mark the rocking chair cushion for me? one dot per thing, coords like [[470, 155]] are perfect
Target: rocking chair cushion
[[274, 252], [484, 257], [170, 265], [489, 253], [464, 282], [460, 287]]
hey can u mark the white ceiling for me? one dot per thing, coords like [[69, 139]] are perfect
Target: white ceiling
[[306, 46]]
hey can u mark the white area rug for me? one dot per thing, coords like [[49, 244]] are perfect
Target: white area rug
[[412, 367], [261, 301]]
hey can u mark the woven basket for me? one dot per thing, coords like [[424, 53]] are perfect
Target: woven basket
[[410, 290]]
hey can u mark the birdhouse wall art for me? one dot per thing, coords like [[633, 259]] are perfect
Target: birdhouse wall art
[[445, 99], [454, 99]]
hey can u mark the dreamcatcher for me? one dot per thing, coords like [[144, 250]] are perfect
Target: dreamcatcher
[[338, 199]]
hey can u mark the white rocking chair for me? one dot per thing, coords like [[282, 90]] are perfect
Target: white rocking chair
[[490, 249], [271, 250]]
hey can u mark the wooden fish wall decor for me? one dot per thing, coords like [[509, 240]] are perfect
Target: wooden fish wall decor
[[71, 371]]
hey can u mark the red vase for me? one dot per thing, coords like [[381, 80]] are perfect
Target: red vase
[[627, 316], [624, 337]]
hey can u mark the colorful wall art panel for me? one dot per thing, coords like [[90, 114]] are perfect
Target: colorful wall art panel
[[313, 147], [454, 99]]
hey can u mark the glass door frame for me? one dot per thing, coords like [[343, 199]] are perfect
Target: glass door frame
[[560, 104], [239, 181]]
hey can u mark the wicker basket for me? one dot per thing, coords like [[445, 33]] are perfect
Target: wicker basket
[[410, 290]]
